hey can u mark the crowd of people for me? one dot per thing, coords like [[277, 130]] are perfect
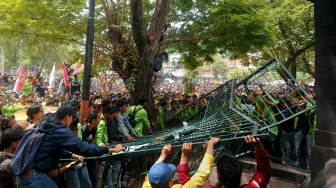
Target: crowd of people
[[293, 137], [115, 118], [107, 123]]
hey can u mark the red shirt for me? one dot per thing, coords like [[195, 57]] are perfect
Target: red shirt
[[260, 178]]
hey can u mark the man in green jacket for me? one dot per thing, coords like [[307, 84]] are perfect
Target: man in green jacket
[[161, 119], [141, 117], [28, 87], [9, 109]]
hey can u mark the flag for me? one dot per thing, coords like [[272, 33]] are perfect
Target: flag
[[20, 80], [38, 71], [65, 76], [52, 77]]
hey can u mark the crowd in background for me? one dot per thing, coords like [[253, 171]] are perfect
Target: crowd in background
[[110, 111]]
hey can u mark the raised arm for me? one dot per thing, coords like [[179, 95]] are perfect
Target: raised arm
[[183, 169], [166, 151], [263, 173], [269, 103], [204, 170]]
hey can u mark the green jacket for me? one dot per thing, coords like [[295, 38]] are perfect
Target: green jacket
[[161, 119], [142, 119], [79, 133], [27, 88], [183, 114], [101, 134], [9, 110], [192, 111]]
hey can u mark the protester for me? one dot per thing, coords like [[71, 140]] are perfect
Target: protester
[[58, 139], [9, 109], [35, 114], [80, 177], [229, 170], [160, 174], [161, 118], [75, 85], [40, 87], [172, 117], [123, 122], [158, 76], [108, 130], [10, 141], [141, 117]]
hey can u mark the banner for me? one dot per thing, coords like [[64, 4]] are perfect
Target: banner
[[20, 80], [65, 76], [52, 77]]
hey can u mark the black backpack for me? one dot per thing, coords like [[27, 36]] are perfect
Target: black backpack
[[131, 117], [4, 157]]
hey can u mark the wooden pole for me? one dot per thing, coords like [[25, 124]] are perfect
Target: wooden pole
[[88, 63]]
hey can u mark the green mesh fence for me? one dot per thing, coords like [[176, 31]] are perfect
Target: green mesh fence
[[232, 111]]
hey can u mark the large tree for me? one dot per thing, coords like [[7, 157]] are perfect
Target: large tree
[[292, 29], [134, 40]]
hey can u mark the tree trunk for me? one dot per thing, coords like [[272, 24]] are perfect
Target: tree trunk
[[293, 69], [147, 46], [136, 61]]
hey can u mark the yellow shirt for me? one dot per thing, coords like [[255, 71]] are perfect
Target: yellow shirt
[[198, 179]]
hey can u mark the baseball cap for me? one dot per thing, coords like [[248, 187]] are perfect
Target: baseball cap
[[65, 111], [160, 173], [110, 109]]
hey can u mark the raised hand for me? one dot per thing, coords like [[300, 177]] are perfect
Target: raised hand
[[187, 148], [166, 150], [254, 142], [251, 140]]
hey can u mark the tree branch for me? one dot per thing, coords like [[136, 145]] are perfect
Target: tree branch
[[298, 52], [158, 23]]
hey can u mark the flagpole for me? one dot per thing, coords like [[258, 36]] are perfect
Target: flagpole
[[88, 63]]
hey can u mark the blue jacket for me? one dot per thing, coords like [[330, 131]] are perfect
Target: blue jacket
[[124, 123], [57, 142]]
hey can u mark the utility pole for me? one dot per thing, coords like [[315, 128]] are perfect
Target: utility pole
[[88, 63]]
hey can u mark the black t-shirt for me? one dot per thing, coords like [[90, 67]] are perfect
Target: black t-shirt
[[303, 124], [113, 132], [87, 134], [288, 125]]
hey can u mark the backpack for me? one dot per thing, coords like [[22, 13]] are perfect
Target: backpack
[[5, 157], [23, 159], [131, 117]]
